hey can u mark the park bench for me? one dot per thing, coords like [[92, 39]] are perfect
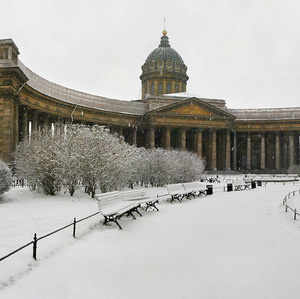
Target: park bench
[[213, 180], [177, 192], [195, 188], [113, 207], [240, 184], [140, 197]]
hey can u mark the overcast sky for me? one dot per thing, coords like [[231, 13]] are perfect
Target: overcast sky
[[246, 52]]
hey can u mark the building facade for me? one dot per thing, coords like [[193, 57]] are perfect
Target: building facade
[[166, 116]]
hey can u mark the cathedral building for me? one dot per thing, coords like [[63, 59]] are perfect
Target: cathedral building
[[167, 116]]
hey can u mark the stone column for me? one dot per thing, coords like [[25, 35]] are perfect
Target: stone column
[[234, 151], [150, 138], [263, 151], [46, 128], [292, 149], [214, 150], [182, 141], [199, 145], [120, 131], [34, 123], [46, 125], [277, 151], [58, 128], [228, 151], [134, 135], [248, 150], [25, 125], [16, 125], [167, 138]]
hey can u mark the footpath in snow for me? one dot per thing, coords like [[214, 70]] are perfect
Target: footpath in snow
[[227, 245]]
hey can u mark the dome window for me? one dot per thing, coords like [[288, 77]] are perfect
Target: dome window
[[160, 88], [168, 87], [152, 88]]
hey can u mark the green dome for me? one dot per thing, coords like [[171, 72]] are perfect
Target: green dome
[[164, 52], [164, 58], [164, 71]]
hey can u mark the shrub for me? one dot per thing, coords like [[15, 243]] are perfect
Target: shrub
[[5, 178]]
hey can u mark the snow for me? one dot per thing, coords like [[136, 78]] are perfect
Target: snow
[[238, 244]]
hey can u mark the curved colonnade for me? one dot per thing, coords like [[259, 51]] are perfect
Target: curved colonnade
[[252, 139]]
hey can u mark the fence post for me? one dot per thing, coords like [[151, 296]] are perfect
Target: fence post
[[34, 246], [295, 214], [74, 227]]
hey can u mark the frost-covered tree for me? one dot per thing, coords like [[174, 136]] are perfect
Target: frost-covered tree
[[98, 159], [5, 178], [100, 156], [38, 161], [159, 166]]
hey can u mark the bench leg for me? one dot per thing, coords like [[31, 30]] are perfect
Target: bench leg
[[177, 196], [111, 219], [188, 195], [203, 192], [130, 213], [137, 211], [152, 205]]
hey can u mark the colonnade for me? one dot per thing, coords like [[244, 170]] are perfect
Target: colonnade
[[212, 144], [221, 148], [267, 150], [33, 121]]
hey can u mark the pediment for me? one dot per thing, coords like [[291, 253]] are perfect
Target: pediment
[[192, 107]]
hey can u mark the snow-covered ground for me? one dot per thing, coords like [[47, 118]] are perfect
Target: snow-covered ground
[[237, 244]]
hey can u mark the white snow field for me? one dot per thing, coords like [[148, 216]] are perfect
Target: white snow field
[[238, 244]]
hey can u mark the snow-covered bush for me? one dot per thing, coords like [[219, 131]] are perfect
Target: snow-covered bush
[[77, 155], [5, 178], [102, 158], [186, 166], [38, 160], [159, 167], [294, 169], [98, 159]]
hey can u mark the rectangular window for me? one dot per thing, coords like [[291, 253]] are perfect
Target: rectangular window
[[152, 88], [168, 87], [176, 87], [160, 88]]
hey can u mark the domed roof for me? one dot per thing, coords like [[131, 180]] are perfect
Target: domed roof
[[164, 58], [164, 51]]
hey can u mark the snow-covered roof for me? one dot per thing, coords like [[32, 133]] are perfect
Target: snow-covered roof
[[266, 113], [81, 98]]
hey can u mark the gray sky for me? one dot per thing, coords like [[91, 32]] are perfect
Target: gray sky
[[243, 51]]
